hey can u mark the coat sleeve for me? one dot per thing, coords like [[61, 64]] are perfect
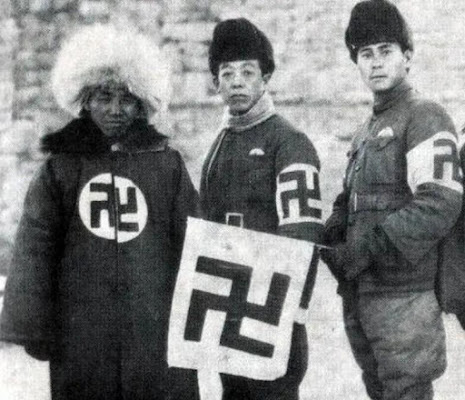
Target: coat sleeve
[[298, 195], [28, 311], [435, 180], [186, 203], [298, 200], [209, 160]]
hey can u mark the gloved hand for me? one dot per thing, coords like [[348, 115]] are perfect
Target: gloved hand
[[335, 228], [329, 255], [347, 260], [355, 257]]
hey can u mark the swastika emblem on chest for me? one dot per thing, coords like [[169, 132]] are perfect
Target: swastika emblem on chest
[[113, 208]]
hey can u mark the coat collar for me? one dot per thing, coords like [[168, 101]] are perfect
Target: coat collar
[[386, 100], [260, 112], [82, 136]]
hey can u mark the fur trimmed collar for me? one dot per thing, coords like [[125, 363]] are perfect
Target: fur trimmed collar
[[82, 136]]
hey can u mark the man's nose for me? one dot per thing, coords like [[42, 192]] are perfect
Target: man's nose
[[377, 61], [237, 80], [115, 105]]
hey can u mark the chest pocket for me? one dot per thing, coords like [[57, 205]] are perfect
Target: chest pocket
[[260, 178], [384, 161]]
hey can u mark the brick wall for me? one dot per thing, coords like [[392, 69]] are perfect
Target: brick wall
[[315, 84]]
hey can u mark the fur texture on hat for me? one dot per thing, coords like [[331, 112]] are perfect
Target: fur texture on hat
[[239, 39], [375, 21], [101, 52]]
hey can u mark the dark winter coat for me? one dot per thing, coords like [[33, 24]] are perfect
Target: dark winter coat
[[402, 193], [95, 262], [248, 172], [266, 178]]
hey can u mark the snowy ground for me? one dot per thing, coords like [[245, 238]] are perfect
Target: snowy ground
[[332, 374]]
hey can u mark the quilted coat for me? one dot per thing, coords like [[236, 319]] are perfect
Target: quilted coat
[[95, 262]]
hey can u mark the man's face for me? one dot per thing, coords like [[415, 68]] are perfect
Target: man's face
[[383, 65], [241, 84], [113, 108]]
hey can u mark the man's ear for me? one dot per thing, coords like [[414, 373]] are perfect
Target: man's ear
[[144, 110], [408, 54], [266, 77], [216, 82]]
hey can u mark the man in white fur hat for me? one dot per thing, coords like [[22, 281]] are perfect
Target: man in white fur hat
[[99, 242]]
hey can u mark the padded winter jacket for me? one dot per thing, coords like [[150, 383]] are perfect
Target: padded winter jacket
[[402, 192], [95, 262], [266, 178]]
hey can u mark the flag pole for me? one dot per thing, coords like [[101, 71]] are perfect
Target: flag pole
[[210, 386]]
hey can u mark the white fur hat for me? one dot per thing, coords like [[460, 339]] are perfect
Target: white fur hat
[[85, 59]]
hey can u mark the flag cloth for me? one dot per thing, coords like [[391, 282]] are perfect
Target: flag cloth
[[237, 296]]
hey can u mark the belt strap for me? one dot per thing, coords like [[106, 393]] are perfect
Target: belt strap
[[376, 202], [235, 219]]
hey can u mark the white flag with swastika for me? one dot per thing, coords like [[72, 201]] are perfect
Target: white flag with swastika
[[237, 296]]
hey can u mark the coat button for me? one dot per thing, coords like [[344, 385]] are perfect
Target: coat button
[[357, 168]]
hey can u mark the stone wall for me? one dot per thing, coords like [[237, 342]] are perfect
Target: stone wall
[[315, 84]]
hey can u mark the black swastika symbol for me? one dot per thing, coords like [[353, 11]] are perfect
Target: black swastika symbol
[[302, 193], [441, 159], [236, 306], [97, 206]]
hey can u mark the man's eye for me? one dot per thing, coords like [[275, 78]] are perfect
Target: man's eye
[[248, 72], [128, 100], [226, 74], [103, 97]]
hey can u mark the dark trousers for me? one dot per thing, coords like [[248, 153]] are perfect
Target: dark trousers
[[284, 388], [398, 341]]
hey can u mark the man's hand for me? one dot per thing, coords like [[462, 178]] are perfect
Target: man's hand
[[347, 260]]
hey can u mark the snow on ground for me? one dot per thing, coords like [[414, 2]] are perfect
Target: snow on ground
[[332, 372]]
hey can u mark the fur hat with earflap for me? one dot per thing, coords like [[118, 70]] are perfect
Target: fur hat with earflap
[[101, 52], [376, 21]]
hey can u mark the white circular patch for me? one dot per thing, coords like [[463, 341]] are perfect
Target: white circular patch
[[113, 209]]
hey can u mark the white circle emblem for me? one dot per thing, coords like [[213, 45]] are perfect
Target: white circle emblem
[[113, 209]]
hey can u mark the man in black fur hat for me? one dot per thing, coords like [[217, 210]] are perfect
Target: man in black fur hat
[[402, 194], [261, 174]]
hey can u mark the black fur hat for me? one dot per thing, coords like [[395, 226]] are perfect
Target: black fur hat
[[239, 39], [375, 21]]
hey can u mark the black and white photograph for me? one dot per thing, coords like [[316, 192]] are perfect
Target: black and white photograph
[[232, 200]]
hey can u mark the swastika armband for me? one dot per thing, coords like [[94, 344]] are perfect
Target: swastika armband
[[298, 197], [435, 160], [237, 296]]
